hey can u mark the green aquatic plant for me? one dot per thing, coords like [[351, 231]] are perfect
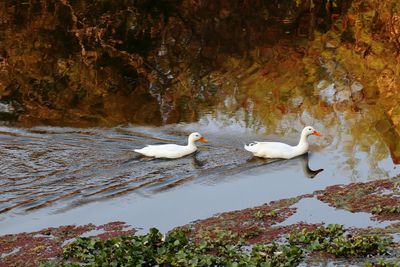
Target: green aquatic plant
[[277, 255], [136, 250], [220, 248], [386, 209], [259, 215], [334, 240], [381, 263], [273, 214], [176, 250]]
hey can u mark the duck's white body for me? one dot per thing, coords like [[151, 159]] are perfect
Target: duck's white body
[[172, 151], [169, 151], [282, 150]]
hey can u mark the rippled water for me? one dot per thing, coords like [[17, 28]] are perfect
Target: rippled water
[[55, 176], [43, 166], [52, 176]]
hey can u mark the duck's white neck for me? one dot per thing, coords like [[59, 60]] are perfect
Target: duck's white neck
[[303, 143], [191, 143]]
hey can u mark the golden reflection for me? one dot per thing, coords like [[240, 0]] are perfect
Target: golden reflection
[[282, 94]]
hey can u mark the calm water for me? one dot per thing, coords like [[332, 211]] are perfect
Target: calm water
[[53, 176]]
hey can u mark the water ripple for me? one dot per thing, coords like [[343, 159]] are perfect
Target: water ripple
[[47, 165]]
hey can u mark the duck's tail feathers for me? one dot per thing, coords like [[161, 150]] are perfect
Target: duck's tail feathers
[[140, 151]]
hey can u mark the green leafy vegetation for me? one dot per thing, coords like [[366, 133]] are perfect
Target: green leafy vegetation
[[334, 240], [176, 249], [386, 209], [381, 263], [259, 215], [273, 214]]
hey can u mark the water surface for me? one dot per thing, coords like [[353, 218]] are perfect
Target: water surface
[[54, 176]]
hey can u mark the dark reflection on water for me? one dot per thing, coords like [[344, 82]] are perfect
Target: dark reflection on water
[[306, 168], [304, 162]]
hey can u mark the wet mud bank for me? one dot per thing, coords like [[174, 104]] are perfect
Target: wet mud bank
[[272, 222], [267, 224], [29, 249]]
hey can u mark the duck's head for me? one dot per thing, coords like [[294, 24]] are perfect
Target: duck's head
[[308, 130], [193, 137]]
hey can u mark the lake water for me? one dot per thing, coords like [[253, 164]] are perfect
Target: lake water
[[53, 176]]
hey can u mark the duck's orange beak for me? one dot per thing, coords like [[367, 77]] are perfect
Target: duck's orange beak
[[316, 133], [203, 140]]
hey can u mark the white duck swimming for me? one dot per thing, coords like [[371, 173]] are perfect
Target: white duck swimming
[[281, 150], [172, 151]]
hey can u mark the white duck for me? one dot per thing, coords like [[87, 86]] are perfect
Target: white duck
[[281, 150], [172, 151]]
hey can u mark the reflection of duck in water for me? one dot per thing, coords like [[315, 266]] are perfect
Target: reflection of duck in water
[[172, 151], [282, 150], [306, 168], [304, 159]]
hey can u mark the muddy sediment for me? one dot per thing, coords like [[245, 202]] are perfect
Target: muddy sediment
[[355, 197], [29, 249]]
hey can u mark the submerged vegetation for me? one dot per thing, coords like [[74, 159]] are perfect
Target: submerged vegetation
[[27, 249], [380, 197]]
